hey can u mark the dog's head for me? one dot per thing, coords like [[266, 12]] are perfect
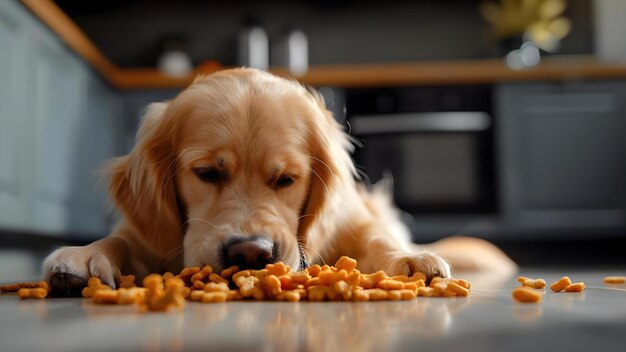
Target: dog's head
[[237, 169]]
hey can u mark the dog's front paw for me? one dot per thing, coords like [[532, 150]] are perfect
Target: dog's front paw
[[68, 269], [425, 262]]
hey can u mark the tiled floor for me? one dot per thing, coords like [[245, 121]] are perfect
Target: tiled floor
[[487, 321]]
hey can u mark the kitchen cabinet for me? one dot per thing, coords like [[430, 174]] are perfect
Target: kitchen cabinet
[[58, 122], [562, 155]]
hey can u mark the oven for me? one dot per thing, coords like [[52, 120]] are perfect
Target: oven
[[436, 142]]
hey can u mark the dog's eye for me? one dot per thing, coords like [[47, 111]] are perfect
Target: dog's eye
[[209, 174], [284, 181]]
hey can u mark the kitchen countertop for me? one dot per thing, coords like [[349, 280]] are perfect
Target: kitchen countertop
[[488, 320]]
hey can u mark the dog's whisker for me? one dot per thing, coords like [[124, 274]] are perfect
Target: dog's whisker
[[305, 216], [167, 157], [323, 163], [201, 220], [306, 249], [189, 149], [177, 250], [195, 257], [173, 174], [322, 181]]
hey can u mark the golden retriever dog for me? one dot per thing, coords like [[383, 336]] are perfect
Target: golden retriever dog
[[246, 168]]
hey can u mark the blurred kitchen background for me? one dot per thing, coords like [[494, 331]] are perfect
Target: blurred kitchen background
[[504, 120]]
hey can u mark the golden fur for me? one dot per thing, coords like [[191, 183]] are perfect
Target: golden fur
[[254, 128]]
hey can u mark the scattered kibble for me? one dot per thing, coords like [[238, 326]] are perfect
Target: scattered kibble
[[615, 280]]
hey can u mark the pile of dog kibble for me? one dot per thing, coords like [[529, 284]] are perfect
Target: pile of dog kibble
[[277, 282]]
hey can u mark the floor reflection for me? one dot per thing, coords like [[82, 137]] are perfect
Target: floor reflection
[[328, 325], [527, 312]]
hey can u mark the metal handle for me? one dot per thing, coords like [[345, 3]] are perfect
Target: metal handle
[[462, 121]]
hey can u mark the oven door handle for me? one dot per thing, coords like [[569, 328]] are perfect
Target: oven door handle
[[459, 121]]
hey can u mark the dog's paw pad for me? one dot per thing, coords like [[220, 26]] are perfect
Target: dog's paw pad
[[66, 285]]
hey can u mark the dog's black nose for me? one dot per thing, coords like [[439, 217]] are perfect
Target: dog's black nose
[[249, 252]]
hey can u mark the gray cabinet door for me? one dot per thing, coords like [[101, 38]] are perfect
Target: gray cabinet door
[[563, 155], [13, 150], [59, 122]]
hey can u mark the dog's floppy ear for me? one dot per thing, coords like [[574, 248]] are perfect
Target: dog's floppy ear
[[331, 166], [142, 183]]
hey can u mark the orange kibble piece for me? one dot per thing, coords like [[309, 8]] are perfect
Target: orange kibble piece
[[132, 295], [196, 295], [418, 276], [185, 291], [273, 284], [346, 263], [377, 294], [454, 289], [127, 281], [341, 287], [215, 297], [534, 283], [614, 279], [439, 287], [300, 277], [389, 284], [202, 275], [17, 286], [290, 296], [260, 274], [286, 283], [278, 269], [561, 284], [213, 277], [354, 278], [216, 287], [575, 287], [187, 273], [243, 273], [234, 295], [330, 277], [227, 273], [313, 282], [427, 291], [317, 293], [525, 294], [411, 286], [93, 285], [37, 292], [105, 297], [198, 285], [314, 270], [370, 280], [249, 286], [360, 295]]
